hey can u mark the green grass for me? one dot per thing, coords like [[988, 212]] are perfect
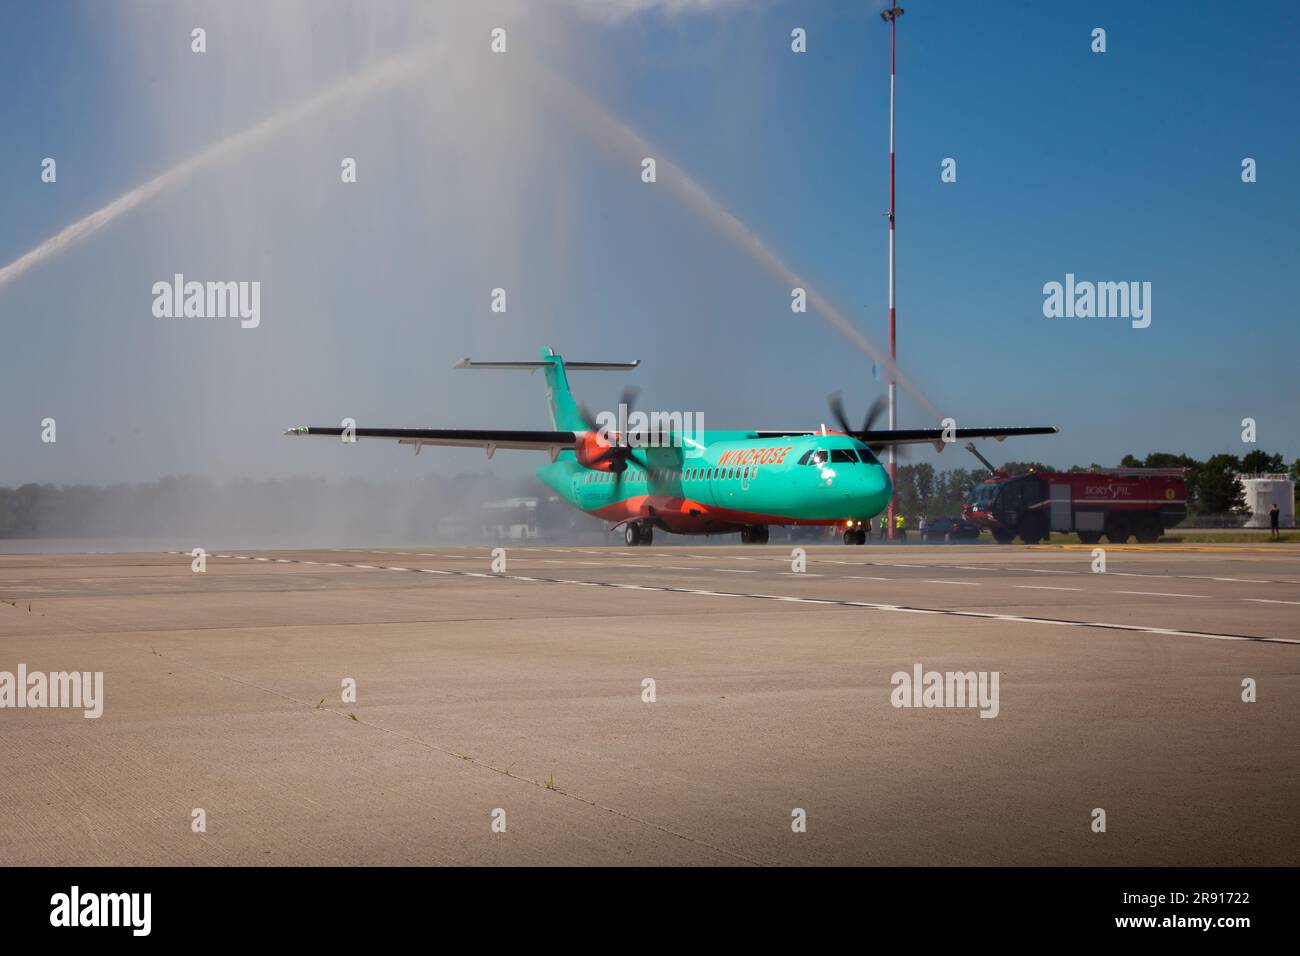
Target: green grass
[[1189, 536], [1197, 536]]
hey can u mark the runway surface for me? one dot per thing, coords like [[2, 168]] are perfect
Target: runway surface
[[522, 690]]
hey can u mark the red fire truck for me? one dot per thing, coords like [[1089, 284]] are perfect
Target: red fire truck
[[1116, 502]]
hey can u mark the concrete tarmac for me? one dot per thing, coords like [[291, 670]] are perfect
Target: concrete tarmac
[[517, 695]]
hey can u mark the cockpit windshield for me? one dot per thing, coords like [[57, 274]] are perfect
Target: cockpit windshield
[[981, 496], [838, 456]]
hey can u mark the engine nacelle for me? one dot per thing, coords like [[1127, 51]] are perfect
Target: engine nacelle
[[590, 449]]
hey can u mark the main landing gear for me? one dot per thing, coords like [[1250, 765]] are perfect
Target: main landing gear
[[754, 535], [855, 536], [636, 532]]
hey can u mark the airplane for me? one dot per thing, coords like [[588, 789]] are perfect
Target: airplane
[[664, 477]]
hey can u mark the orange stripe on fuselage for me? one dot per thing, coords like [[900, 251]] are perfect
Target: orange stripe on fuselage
[[686, 516]]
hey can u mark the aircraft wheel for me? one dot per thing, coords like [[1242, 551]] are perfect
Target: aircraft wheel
[[746, 536], [648, 535], [632, 534], [761, 534], [850, 536]]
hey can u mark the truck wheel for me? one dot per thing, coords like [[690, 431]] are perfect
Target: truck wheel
[[1117, 531], [1148, 530], [1089, 537], [1003, 537], [1030, 533]]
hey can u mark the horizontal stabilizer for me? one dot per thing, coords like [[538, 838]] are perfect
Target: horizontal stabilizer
[[532, 366]]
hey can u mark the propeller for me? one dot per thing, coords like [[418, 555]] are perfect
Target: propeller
[[618, 455], [837, 411]]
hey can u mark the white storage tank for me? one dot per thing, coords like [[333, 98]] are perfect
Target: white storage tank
[[1262, 492]]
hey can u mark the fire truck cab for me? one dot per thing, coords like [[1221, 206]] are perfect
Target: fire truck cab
[[1117, 502]]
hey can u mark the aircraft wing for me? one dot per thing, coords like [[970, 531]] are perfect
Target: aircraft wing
[[919, 436], [489, 439], [884, 437]]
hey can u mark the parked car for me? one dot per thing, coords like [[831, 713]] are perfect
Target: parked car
[[950, 529]]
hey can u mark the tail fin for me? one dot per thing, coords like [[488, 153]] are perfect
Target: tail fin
[[564, 411], [560, 403]]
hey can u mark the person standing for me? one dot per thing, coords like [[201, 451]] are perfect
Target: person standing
[[1273, 522]]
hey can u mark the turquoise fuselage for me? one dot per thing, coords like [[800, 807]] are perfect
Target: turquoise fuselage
[[730, 479]]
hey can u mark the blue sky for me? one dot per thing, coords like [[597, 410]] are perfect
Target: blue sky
[[1116, 166]]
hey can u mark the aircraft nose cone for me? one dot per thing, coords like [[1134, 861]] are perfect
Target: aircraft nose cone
[[874, 488]]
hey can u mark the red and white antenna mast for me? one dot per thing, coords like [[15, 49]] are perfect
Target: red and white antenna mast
[[891, 16]]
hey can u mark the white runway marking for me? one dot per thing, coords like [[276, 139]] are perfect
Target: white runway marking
[[896, 608], [1044, 587], [1162, 594], [965, 584], [1269, 601]]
